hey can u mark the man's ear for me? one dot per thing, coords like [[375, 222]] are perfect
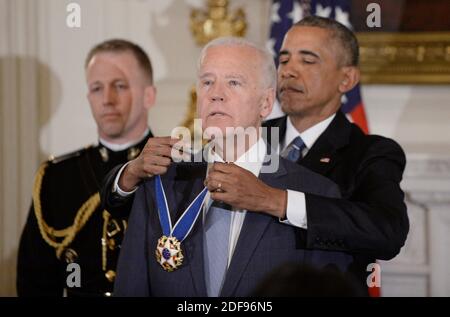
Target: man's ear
[[350, 78], [267, 102], [149, 96]]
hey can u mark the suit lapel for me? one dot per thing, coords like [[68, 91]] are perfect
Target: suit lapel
[[321, 158], [323, 155], [254, 226], [187, 185], [194, 255]]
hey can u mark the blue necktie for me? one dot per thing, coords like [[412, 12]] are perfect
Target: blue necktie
[[215, 251], [295, 150]]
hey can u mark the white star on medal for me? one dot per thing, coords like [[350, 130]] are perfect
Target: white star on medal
[[174, 256], [171, 251]]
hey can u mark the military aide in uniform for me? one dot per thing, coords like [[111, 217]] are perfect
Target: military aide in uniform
[[65, 223]]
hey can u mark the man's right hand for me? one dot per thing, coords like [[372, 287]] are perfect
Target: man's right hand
[[154, 159]]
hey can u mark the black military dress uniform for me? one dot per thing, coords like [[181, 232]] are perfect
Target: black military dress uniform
[[66, 224]]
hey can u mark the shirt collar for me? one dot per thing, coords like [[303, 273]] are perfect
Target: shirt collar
[[308, 136], [251, 160], [120, 147]]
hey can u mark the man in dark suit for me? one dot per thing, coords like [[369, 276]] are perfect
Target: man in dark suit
[[65, 223], [222, 250], [318, 63]]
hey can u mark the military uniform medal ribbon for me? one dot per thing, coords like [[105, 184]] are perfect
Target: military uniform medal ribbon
[[168, 251]]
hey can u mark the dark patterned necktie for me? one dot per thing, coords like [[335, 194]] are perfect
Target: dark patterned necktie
[[294, 151]]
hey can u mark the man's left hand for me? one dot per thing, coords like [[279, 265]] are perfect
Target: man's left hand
[[241, 189]]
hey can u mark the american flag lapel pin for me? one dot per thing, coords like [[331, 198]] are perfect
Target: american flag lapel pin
[[325, 160]]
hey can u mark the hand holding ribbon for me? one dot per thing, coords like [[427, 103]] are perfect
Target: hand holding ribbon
[[241, 189], [154, 159]]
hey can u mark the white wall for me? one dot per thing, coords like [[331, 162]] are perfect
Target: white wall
[[418, 117], [44, 110]]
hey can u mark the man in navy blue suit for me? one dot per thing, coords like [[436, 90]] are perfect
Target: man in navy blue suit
[[181, 241]]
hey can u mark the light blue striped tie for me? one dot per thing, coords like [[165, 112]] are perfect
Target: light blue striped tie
[[295, 149], [216, 236]]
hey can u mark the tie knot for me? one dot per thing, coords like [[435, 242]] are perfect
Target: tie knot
[[298, 143], [294, 150]]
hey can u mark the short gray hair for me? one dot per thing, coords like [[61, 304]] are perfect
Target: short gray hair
[[268, 65]]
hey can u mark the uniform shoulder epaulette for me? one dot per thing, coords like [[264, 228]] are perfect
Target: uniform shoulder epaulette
[[61, 238], [55, 160]]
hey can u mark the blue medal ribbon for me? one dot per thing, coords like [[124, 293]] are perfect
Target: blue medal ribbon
[[187, 220]]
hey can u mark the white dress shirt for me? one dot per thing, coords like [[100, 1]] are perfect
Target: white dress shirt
[[296, 205], [251, 161]]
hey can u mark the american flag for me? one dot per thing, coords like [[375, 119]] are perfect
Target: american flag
[[284, 13]]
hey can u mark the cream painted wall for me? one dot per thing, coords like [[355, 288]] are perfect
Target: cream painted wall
[[418, 117], [44, 111]]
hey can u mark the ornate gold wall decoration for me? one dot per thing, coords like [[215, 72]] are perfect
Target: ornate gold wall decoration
[[216, 21], [192, 110], [405, 58]]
